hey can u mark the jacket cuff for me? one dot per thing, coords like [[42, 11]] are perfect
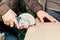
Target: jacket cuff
[[37, 8], [3, 9]]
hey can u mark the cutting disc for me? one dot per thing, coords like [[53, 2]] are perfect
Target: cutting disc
[[28, 17]]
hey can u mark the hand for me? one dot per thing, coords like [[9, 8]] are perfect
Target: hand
[[9, 18], [37, 20], [42, 14]]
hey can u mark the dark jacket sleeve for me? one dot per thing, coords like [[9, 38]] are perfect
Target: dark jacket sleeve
[[3, 8], [33, 5]]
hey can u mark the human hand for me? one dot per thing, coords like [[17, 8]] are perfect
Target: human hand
[[9, 18], [42, 14], [37, 20]]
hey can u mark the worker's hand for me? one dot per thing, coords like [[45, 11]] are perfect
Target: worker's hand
[[37, 20], [9, 18], [42, 14]]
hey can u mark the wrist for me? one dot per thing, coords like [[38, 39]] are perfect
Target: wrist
[[3, 9], [40, 11], [7, 13]]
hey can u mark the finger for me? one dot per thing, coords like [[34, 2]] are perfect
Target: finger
[[41, 19], [15, 14], [51, 19], [37, 20], [17, 24], [7, 23], [11, 23], [4, 22]]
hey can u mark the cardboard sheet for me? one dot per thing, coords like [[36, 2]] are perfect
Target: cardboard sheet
[[46, 31]]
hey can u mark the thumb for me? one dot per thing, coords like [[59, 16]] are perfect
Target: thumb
[[41, 19]]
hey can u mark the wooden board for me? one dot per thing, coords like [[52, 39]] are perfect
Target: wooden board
[[46, 31]]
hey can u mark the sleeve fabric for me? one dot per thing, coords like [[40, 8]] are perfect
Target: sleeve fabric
[[33, 5], [3, 8]]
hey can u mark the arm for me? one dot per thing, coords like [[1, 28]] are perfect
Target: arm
[[3, 8], [33, 5], [7, 15], [38, 9]]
